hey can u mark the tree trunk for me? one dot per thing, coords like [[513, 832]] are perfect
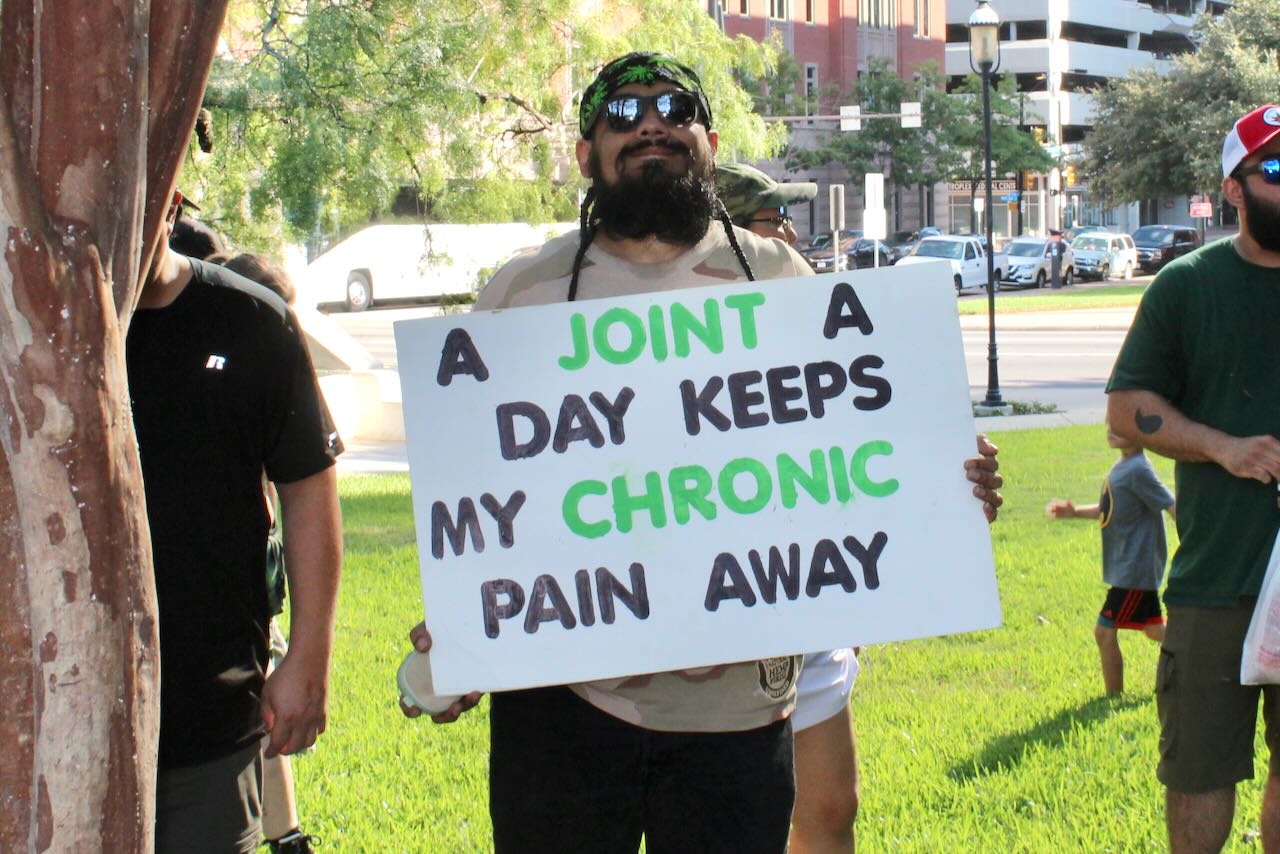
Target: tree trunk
[[96, 112]]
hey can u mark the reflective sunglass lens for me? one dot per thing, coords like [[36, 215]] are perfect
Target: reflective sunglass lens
[[623, 113], [678, 108], [1270, 170]]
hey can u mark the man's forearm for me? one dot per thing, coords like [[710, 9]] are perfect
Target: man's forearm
[[1152, 422], [1147, 419], [312, 524]]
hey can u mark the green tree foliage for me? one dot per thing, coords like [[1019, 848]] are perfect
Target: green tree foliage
[[882, 145], [947, 146], [1156, 135], [961, 146], [777, 93], [324, 110]]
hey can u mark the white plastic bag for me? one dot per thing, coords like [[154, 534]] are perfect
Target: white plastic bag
[[1260, 660]]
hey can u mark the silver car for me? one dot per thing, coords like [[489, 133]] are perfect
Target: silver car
[[1102, 254], [1031, 262]]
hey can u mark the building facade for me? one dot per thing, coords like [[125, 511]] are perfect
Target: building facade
[[832, 42], [1058, 51]]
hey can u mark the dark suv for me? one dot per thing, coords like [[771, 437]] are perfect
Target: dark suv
[[1160, 244]]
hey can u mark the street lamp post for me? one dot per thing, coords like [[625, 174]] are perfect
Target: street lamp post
[[984, 58]]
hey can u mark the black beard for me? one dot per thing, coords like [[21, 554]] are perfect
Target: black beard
[[655, 203], [1263, 219]]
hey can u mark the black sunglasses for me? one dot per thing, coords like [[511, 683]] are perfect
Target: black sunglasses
[[1269, 170], [782, 219], [623, 112]]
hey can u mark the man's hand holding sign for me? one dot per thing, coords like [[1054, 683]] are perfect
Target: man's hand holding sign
[[694, 477]]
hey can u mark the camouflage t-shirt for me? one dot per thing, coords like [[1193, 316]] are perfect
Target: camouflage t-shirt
[[726, 697]]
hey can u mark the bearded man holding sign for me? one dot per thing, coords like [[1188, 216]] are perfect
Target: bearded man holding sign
[[689, 760]]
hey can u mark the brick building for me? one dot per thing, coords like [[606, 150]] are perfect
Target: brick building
[[831, 41]]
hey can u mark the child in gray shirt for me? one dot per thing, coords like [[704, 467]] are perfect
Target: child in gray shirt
[[1133, 552]]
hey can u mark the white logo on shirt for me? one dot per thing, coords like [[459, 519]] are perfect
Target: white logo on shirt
[[215, 363]]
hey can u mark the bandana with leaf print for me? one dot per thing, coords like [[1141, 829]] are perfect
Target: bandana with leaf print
[[645, 69]]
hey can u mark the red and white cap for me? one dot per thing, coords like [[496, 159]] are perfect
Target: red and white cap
[[1249, 134]]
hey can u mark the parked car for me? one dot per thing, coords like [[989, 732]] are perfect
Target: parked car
[[968, 260], [1073, 233], [861, 255], [819, 252], [1160, 244], [981, 238], [1031, 262], [1099, 254], [929, 231], [821, 242], [381, 263], [901, 243]]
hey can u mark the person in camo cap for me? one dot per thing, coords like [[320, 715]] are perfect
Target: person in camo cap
[[826, 758], [758, 203], [696, 760]]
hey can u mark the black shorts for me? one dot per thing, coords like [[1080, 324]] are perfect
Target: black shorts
[[567, 777], [211, 808], [1126, 608]]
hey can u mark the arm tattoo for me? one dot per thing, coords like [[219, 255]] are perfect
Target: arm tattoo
[[1147, 424]]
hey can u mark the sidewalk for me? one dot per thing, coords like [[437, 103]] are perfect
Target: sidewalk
[[381, 457], [1078, 318]]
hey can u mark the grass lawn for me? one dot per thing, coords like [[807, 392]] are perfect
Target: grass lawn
[[997, 741], [1109, 297]]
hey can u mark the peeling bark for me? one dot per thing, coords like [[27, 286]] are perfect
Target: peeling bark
[[97, 103]]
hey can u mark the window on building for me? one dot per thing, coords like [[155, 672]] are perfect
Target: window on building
[[811, 107], [922, 18], [743, 7], [1078, 80], [1029, 31], [1177, 7], [878, 14], [808, 11], [778, 10], [1105, 36]]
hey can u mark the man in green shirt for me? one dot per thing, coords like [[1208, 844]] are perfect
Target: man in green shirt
[[1198, 380]]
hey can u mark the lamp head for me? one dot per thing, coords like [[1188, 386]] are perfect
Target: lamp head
[[984, 38]]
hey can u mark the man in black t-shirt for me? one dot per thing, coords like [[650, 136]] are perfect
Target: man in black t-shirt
[[223, 389]]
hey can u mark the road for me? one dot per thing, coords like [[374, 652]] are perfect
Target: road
[[1064, 367], [1049, 358]]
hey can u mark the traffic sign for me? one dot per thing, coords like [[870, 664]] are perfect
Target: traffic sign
[[849, 117], [910, 114], [1202, 209], [1010, 197]]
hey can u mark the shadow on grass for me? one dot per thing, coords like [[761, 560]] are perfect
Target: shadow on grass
[[377, 513], [1007, 751]]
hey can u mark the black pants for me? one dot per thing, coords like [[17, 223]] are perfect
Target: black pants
[[565, 777]]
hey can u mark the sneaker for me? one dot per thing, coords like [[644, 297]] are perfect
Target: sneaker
[[294, 842]]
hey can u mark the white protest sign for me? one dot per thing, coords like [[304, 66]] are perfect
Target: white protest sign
[[693, 477]]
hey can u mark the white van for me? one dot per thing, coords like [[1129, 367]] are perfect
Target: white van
[[415, 262]]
